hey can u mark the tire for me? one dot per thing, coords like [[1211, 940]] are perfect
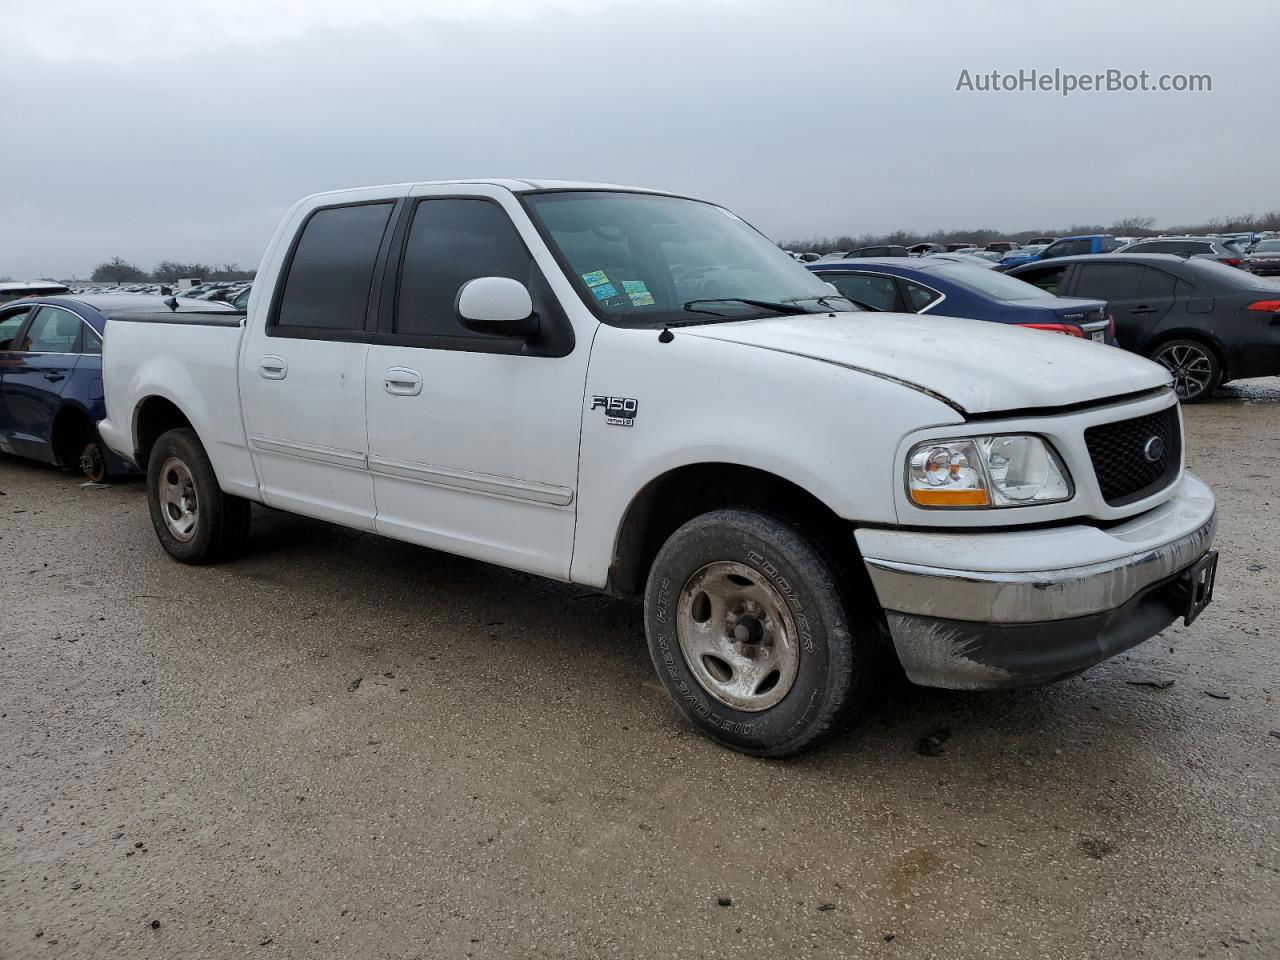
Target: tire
[[194, 520], [737, 597], [1194, 365]]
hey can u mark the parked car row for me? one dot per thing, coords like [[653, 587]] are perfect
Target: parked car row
[[1258, 253]]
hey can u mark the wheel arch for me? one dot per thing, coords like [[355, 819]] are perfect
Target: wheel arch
[[152, 417], [72, 424], [673, 498]]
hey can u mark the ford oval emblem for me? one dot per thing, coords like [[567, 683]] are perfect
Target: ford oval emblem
[[1153, 449]]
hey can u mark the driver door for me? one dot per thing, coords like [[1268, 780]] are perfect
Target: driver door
[[473, 438]]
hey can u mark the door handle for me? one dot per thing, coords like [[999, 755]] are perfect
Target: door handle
[[273, 368], [54, 377], [402, 382]]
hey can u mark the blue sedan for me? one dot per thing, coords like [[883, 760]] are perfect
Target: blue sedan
[[51, 378], [946, 288]]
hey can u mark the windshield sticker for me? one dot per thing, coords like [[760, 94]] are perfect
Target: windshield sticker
[[595, 278], [638, 292], [603, 291]]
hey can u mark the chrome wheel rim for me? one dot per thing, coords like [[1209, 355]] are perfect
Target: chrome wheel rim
[[178, 503], [1191, 367], [738, 636]]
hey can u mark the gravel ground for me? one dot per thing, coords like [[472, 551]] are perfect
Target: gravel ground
[[340, 746]]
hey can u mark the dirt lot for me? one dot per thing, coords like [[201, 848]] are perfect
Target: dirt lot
[[341, 746]]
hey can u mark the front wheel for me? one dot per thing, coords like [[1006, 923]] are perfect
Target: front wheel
[[1195, 368], [749, 633], [194, 520]]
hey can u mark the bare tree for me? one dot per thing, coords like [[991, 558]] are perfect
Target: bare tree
[[117, 270]]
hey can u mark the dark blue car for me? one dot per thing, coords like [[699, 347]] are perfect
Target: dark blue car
[[51, 378], [947, 288]]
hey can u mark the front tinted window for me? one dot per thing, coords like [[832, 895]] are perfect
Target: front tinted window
[[1048, 279], [53, 330], [332, 268], [9, 327], [873, 290], [450, 242], [644, 259], [1108, 281]]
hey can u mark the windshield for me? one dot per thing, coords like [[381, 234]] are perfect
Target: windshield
[[993, 284], [1030, 251], [644, 260]]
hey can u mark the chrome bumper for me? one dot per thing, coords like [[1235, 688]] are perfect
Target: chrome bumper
[[1008, 617]]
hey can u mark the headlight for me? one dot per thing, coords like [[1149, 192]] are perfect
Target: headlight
[[1008, 471]]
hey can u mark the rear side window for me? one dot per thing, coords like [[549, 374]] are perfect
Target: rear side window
[[874, 291], [451, 241], [919, 297], [1108, 281], [1109, 244], [327, 287], [53, 330], [1157, 283]]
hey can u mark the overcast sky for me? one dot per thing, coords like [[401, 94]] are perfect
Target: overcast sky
[[149, 129]]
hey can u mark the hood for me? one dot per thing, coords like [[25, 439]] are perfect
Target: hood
[[976, 366]]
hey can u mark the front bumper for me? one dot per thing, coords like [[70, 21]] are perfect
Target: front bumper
[[1006, 609]]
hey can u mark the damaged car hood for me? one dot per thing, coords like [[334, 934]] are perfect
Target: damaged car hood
[[976, 366]]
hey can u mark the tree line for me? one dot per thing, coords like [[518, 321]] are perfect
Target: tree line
[[119, 270], [1128, 227]]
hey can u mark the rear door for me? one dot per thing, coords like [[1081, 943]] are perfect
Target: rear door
[[1138, 296], [36, 369], [473, 438], [302, 370]]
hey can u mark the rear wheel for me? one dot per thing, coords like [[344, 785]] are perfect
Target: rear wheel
[[194, 520], [749, 633], [1195, 368]]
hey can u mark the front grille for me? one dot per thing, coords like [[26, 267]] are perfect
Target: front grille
[[1119, 454]]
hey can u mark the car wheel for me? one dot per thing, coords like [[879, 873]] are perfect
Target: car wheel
[[749, 633], [194, 520], [1195, 368]]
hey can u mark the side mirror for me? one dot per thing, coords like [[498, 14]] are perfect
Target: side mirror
[[497, 305]]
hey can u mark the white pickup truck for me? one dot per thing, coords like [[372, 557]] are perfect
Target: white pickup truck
[[639, 393]]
